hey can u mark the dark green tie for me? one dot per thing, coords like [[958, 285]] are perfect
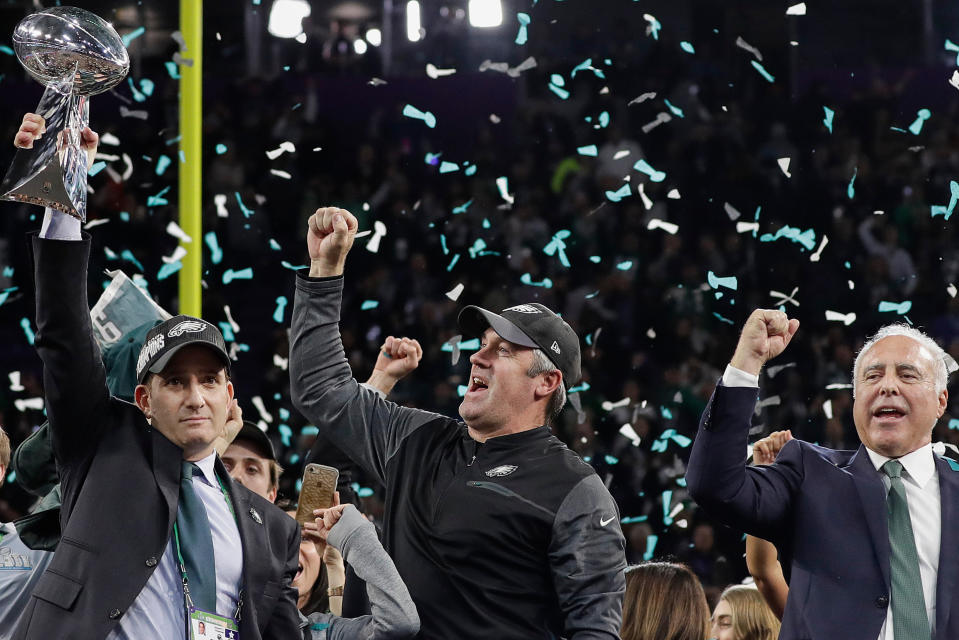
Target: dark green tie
[[196, 542], [909, 619]]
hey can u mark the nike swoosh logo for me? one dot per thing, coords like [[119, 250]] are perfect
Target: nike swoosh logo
[[605, 521]]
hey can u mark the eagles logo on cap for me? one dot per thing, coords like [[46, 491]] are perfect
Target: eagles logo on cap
[[168, 337], [187, 326]]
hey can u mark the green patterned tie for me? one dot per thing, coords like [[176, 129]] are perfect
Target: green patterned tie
[[196, 542], [909, 619]]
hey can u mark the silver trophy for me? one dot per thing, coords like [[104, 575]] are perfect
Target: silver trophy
[[75, 54]]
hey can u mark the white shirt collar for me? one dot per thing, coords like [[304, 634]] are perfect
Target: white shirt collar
[[919, 464], [206, 466]]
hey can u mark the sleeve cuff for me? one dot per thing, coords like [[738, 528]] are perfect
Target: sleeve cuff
[[733, 377]]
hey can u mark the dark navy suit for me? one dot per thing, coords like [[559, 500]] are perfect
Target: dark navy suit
[[826, 510]]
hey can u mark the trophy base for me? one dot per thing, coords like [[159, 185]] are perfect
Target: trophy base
[[53, 173]]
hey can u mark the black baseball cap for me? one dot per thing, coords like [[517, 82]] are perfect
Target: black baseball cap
[[530, 325], [255, 436], [168, 337]]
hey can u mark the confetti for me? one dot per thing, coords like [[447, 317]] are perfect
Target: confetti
[[281, 174], [676, 110], [588, 150], [174, 230], [163, 162], [96, 168], [742, 44], [642, 98], [806, 238], [412, 112], [158, 199], [220, 201], [285, 147], [379, 232], [661, 118], [652, 29], [951, 290], [133, 113], [946, 211], [625, 265], [731, 212], [822, 245], [902, 308], [6, 294], [797, 10], [15, 381], [168, 270], [246, 211], [129, 257], [719, 317], [503, 67], [172, 69], [557, 246], [827, 120], [845, 318], [851, 189], [458, 210], [455, 292], [435, 73], [369, 304], [178, 254], [647, 203], [5, 49], [623, 192], [954, 80], [133, 35], [630, 434], [30, 403], [587, 65], [643, 167], [730, 282], [668, 227], [526, 279], [650, 546], [449, 167], [687, 47], [921, 116], [521, 35], [784, 165], [762, 71], [216, 253], [242, 274], [502, 184]]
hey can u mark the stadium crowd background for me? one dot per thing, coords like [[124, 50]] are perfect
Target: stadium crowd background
[[657, 327]]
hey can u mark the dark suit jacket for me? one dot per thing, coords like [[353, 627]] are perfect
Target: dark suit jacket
[[828, 509], [120, 485]]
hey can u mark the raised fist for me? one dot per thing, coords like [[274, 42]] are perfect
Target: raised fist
[[329, 238], [765, 335]]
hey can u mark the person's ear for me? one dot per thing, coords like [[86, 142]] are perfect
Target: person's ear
[[229, 388], [141, 395], [548, 384], [943, 402]]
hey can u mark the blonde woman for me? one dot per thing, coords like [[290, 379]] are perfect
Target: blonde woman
[[664, 601], [742, 614]]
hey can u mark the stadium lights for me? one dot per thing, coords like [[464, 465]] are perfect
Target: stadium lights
[[413, 20], [286, 18], [486, 13], [374, 36], [359, 46]]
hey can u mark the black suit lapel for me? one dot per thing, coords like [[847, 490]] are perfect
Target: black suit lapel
[[948, 558], [166, 470], [872, 494]]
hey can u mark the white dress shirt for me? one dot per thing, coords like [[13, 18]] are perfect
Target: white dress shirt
[[921, 481]]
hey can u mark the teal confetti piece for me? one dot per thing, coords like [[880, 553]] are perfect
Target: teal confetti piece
[[557, 80], [650, 546], [667, 499], [715, 281], [577, 389], [922, 115], [181, 155], [281, 302], [562, 93], [286, 434], [369, 304], [466, 345], [446, 251], [526, 279], [687, 47], [676, 110], [719, 317], [953, 200], [168, 269], [246, 210], [625, 265], [449, 167], [6, 294], [133, 35], [294, 458], [477, 249], [902, 308], [8, 272], [412, 112], [453, 262], [364, 492], [25, 325], [611, 459], [668, 415], [953, 464], [633, 519], [762, 71], [470, 170], [851, 189], [828, 119], [461, 390], [643, 167], [274, 244], [158, 199], [952, 46], [521, 35], [486, 223], [96, 168], [623, 192], [137, 95], [220, 149], [557, 247], [284, 412], [595, 259], [241, 274], [604, 119], [5, 49], [954, 424], [216, 254], [12, 477], [587, 65], [654, 26], [162, 163], [309, 430], [292, 267], [681, 482], [456, 211], [127, 255], [172, 69], [432, 158], [806, 238], [588, 150]]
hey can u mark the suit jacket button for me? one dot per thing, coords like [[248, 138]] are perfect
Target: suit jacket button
[[151, 561], [882, 602], [115, 613]]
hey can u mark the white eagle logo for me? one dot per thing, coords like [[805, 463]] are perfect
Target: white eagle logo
[[524, 308], [502, 470], [187, 326]]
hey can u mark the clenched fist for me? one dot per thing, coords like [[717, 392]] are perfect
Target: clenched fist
[[765, 335], [34, 126], [329, 238]]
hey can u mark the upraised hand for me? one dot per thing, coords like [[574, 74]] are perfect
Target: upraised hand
[[765, 335], [329, 238], [766, 449], [398, 357]]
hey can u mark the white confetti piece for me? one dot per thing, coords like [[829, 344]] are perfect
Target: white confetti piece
[[282, 363], [128, 167], [673, 194], [15, 381], [731, 211], [619, 155], [954, 81], [379, 230], [110, 139], [281, 174], [661, 118], [29, 403], [746, 227], [878, 212], [797, 10], [220, 201], [495, 119], [178, 255], [845, 318], [951, 290], [784, 165], [827, 409], [772, 372], [742, 44], [174, 230], [651, 333], [649, 95], [284, 147], [822, 245], [646, 201], [435, 73], [229, 318], [455, 292], [609, 406], [630, 434], [668, 227], [261, 409], [503, 185], [838, 385], [133, 113], [95, 223]]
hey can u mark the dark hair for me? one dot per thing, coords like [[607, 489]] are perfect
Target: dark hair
[[664, 601], [319, 600]]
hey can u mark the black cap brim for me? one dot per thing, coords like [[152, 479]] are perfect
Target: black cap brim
[[475, 320], [160, 363], [251, 433]]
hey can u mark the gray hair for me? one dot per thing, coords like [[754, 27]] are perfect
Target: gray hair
[[939, 356], [542, 364]]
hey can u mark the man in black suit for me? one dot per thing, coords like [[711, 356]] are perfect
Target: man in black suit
[[131, 472]]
